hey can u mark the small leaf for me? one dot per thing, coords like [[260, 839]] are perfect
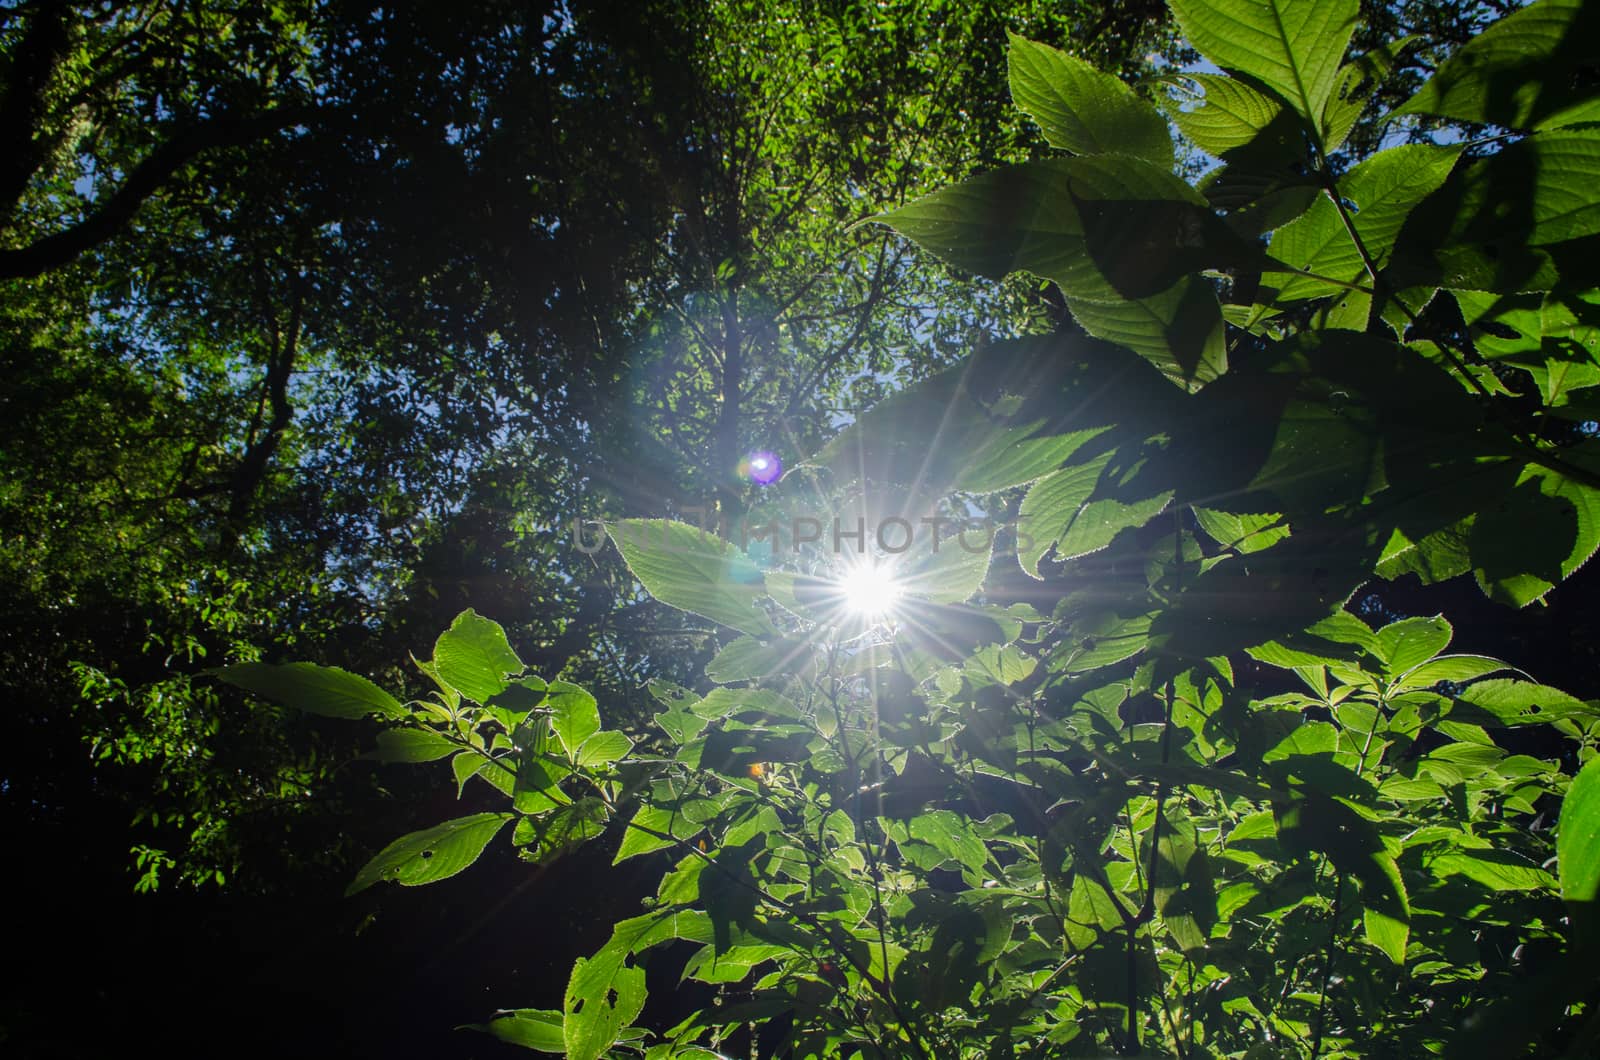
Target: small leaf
[[432, 854], [324, 690], [474, 657], [693, 570], [1082, 110], [531, 1028]]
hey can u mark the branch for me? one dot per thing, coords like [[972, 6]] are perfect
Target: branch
[[147, 178]]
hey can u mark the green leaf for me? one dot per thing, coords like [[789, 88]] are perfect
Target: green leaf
[[1578, 837], [1384, 189], [604, 748], [1534, 537], [412, 745], [1002, 422], [1357, 82], [952, 836], [1074, 512], [1510, 702], [1243, 532], [1458, 669], [1232, 115], [603, 996], [1524, 72], [474, 657], [951, 575], [748, 659], [1104, 227], [1081, 109], [432, 854], [574, 717], [665, 820], [531, 1028], [1499, 870], [1410, 642], [693, 570], [324, 690], [1178, 330], [1293, 47]]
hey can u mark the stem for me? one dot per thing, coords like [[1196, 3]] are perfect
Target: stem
[[1327, 966]]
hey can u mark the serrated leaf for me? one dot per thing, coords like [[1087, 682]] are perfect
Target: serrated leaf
[[1511, 702], [1458, 669], [1293, 47], [1384, 190], [574, 716], [324, 690], [1074, 512], [1178, 330], [1082, 110], [693, 570], [432, 854], [1499, 870], [1535, 537], [602, 998], [1524, 72], [1103, 227], [474, 657], [1410, 642], [604, 748], [1231, 115], [1243, 532]]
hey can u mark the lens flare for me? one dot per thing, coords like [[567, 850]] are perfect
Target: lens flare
[[762, 467]]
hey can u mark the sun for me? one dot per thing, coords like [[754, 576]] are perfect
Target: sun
[[870, 590]]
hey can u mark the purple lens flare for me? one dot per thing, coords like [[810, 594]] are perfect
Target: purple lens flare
[[763, 467]]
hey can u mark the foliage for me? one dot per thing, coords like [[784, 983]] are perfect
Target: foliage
[[1158, 787]]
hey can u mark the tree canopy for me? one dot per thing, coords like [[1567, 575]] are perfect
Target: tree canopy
[[651, 351]]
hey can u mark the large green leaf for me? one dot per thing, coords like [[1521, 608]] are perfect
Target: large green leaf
[[1104, 227], [1578, 837], [433, 853], [1003, 417], [1384, 190], [325, 690], [1534, 537], [1082, 110], [1527, 71], [1293, 47], [1231, 114], [1071, 511], [474, 657], [602, 998], [693, 570], [1178, 330]]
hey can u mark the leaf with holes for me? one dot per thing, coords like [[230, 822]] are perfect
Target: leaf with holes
[[432, 854]]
